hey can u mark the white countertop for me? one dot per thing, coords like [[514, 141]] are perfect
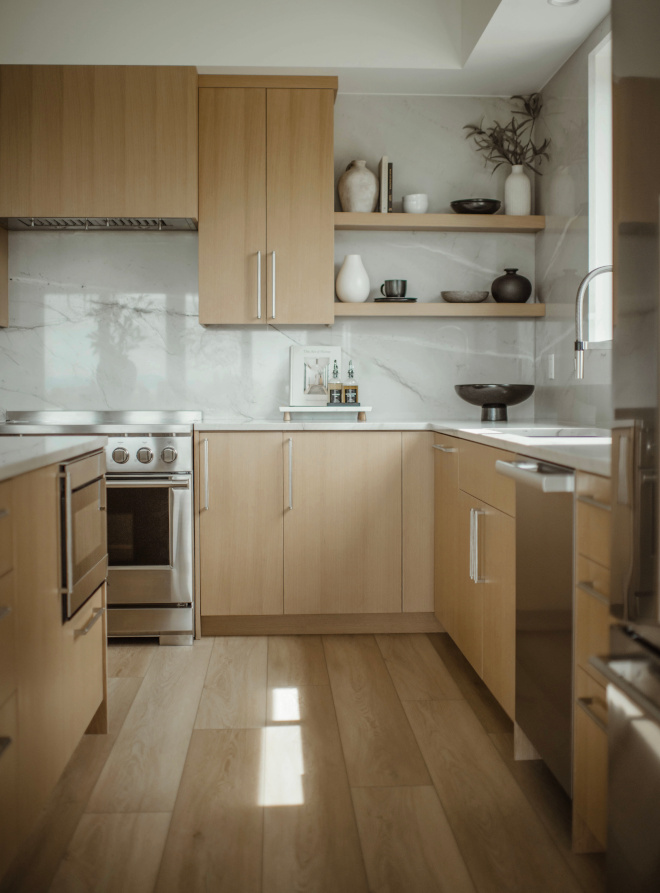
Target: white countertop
[[590, 454], [22, 453]]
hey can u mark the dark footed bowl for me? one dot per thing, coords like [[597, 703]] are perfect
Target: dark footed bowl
[[476, 206], [494, 398]]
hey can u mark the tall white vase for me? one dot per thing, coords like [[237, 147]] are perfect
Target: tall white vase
[[352, 284], [517, 192]]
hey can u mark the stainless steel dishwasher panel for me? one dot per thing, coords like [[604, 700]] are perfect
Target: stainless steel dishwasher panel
[[544, 610]]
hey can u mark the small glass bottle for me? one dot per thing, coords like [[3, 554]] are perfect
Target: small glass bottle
[[350, 388], [334, 388]]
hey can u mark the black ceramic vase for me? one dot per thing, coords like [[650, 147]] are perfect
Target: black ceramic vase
[[511, 288]]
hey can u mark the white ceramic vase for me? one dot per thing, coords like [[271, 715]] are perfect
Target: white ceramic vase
[[352, 284], [517, 192], [358, 188]]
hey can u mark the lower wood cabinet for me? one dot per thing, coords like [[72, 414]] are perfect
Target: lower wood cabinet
[[9, 832], [446, 571]]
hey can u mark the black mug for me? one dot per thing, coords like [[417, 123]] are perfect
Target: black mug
[[394, 288]]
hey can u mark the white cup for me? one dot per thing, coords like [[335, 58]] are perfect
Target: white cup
[[416, 204]]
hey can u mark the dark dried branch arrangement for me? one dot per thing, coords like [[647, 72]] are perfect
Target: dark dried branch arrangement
[[512, 143]]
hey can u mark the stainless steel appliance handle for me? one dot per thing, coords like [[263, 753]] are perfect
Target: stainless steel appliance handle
[[68, 522], [96, 616], [477, 570], [585, 704], [589, 500], [258, 284], [179, 484], [273, 259], [4, 744], [206, 474], [443, 449], [589, 589], [4, 513], [5, 611], [290, 473], [534, 475]]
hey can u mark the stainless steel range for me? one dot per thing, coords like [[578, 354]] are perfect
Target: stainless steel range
[[149, 460]]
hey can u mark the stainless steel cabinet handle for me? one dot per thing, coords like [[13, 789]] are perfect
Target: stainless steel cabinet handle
[[4, 513], [443, 449], [291, 473], [206, 474], [589, 500], [96, 616], [103, 507], [68, 514], [4, 744], [5, 611], [273, 258], [258, 284], [585, 704], [477, 571], [589, 589], [472, 544]]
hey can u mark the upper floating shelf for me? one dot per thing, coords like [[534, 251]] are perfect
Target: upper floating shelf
[[441, 223]]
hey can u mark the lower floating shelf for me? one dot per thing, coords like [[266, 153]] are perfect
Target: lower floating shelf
[[331, 410], [493, 311]]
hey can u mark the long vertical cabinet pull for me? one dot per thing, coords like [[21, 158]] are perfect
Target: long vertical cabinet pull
[[206, 474], [472, 544], [290, 473], [273, 259], [477, 569], [258, 284]]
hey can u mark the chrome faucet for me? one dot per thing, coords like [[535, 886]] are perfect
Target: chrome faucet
[[580, 344]]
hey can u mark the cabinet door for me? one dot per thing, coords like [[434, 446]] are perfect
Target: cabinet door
[[9, 837], [446, 531], [498, 542], [468, 623], [232, 205], [342, 523], [300, 206], [241, 531]]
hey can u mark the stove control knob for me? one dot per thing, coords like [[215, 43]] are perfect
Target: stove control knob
[[120, 455], [144, 455], [169, 454]]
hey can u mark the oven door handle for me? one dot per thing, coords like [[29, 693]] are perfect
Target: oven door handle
[[179, 484]]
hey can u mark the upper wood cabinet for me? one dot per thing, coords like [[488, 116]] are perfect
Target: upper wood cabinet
[[266, 184], [98, 141]]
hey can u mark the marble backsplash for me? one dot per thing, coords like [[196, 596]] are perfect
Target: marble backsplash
[[109, 321]]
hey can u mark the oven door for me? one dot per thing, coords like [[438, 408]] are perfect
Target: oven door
[[150, 545]]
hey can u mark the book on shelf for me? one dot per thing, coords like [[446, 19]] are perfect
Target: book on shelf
[[382, 176], [389, 188]]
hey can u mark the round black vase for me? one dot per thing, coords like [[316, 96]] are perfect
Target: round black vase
[[511, 288]]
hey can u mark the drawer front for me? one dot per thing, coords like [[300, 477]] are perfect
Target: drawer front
[[593, 532], [6, 540], [8, 784], [7, 636], [477, 476], [592, 631], [590, 768], [84, 655], [594, 486]]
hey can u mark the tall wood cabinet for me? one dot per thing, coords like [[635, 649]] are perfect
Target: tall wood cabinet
[[266, 186], [98, 141]]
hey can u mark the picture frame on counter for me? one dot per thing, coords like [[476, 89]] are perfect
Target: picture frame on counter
[[310, 373]]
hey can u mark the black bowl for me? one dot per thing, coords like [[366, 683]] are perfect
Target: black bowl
[[494, 398], [476, 206]]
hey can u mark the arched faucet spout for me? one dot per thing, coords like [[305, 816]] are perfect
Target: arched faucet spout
[[580, 344]]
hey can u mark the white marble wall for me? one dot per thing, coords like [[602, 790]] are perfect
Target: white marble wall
[[110, 320], [562, 251]]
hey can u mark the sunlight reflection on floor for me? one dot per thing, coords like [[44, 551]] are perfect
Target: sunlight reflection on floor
[[283, 764]]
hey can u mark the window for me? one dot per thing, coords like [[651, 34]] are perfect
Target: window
[[600, 189]]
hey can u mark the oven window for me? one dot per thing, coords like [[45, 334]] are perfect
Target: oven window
[[139, 526]]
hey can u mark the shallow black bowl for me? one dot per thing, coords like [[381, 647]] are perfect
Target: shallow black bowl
[[476, 206], [494, 398]]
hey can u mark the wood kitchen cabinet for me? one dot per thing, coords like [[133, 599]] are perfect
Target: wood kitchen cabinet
[[342, 523], [98, 141], [241, 524], [447, 592], [266, 187]]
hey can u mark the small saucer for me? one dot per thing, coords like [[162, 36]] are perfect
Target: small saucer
[[394, 300]]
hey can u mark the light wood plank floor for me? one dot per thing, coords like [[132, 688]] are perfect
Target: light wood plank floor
[[360, 764]]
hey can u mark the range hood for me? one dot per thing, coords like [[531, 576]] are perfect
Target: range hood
[[99, 224]]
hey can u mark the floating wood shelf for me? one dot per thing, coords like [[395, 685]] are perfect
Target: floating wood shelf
[[442, 223], [494, 311]]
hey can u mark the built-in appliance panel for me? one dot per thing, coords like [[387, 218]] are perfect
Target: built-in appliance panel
[[135, 454]]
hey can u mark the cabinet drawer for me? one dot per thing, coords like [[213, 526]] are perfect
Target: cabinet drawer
[[593, 486], [6, 539], [84, 656], [593, 532], [7, 636], [8, 783], [477, 476], [590, 767], [592, 631]]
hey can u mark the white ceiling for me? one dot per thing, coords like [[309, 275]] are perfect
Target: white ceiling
[[467, 47]]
